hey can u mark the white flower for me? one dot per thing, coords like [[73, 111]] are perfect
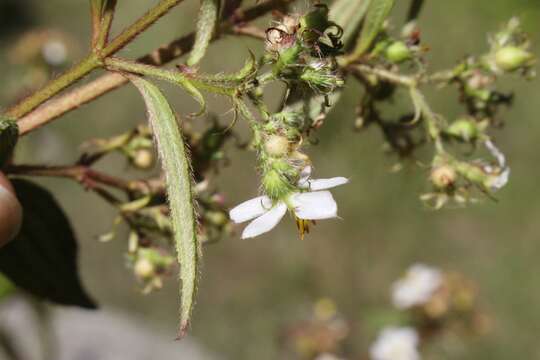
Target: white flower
[[395, 343], [499, 176], [416, 287], [313, 204]]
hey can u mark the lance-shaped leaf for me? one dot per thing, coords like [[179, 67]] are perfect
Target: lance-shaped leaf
[[377, 13], [349, 15], [9, 134], [206, 26], [176, 166], [42, 259]]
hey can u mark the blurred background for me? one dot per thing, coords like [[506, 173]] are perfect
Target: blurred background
[[253, 292]]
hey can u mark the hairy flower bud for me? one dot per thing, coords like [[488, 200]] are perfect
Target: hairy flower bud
[[276, 146], [511, 58], [143, 158], [398, 52], [275, 184], [443, 176], [320, 77]]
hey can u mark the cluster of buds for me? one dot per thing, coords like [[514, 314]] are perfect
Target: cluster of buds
[[431, 303], [510, 50], [318, 336], [301, 49], [456, 180], [136, 145], [280, 156], [150, 265], [438, 301], [397, 51]]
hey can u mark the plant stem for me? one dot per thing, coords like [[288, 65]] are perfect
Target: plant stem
[[106, 83], [105, 25], [139, 26], [91, 62], [95, 15], [54, 87]]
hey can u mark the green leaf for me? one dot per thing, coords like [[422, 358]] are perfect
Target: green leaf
[[176, 166], [377, 13], [9, 134], [42, 259], [206, 26], [350, 20]]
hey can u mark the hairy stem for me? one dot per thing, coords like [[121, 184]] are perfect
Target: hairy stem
[[105, 26], [106, 83], [95, 15], [139, 26], [91, 62]]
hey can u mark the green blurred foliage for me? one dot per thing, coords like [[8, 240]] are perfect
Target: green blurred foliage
[[252, 289]]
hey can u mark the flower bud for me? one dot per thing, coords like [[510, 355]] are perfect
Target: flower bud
[[144, 269], [320, 77], [398, 52], [143, 158], [10, 212], [218, 218], [511, 58], [464, 128], [443, 176], [275, 185], [276, 146]]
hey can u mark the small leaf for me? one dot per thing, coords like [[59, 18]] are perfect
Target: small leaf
[[9, 134], [206, 26], [349, 20], [43, 257], [377, 13], [176, 166]]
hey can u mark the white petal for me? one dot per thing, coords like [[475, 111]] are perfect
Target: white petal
[[250, 209], [496, 153], [500, 181], [304, 177], [265, 222], [316, 205], [323, 184]]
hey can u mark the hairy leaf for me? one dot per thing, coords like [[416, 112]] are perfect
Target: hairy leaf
[[43, 257], [377, 13], [9, 134], [350, 20], [175, 164], [206, 26]]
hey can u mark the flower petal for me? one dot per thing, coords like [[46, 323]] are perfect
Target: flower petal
[[265, 222], [323, 184], [304, 177], [496, 153], [316, 205], [250, 209]]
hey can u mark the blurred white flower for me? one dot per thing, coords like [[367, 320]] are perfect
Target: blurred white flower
[[54, 52], [396, 343], [499, 176], [416, 287], [327, 356], [312, 204]]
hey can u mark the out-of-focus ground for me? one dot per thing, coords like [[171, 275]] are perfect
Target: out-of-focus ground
[[251, 290]]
